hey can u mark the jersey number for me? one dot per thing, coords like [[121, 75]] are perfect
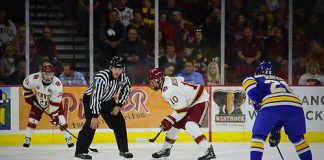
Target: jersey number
[[174, 100], [276, 88]]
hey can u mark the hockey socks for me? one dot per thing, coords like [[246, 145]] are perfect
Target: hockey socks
[[302, 147], [171, 137], [257, 147], [199, 137]]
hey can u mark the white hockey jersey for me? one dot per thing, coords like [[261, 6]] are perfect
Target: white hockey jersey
[[125, 16], [47, 96], [182, 95]]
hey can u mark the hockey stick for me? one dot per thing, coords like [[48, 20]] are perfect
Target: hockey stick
[[150, 140], [91, 149], [279, 152]]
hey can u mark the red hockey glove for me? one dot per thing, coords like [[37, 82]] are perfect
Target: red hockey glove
[[54, 118], [167, 122]]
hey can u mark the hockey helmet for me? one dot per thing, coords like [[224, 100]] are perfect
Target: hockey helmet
[[155, 73], [47, 67], [47, 73], [117, 62], [264, 68]]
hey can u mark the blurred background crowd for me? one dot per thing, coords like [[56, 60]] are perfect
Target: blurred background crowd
[[189, 38]]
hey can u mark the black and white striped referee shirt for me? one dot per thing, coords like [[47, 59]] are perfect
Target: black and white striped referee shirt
[[105, 87]]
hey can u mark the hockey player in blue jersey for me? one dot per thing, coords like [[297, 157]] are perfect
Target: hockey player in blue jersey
[[277, 106]]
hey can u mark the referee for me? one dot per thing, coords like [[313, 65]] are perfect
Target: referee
[[99, 100]]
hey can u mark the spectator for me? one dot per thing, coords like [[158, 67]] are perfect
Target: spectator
[[132, 47], [111, 34], [125, 14], [213, 75], [248, 49], [200, 67], [71, 77], [276, 48], [45, 46], [20, 42], [236, 29], [313, 76], [7, 64], [18, 76], [283, 71], [249, 52], [212, 28], [300, 48], [149, 61], [190, 75], [199, 43], [315, 55], [183, 31], [134, 51], [169, 69], [171, 56], [261, 27], [34, 60], [165, 26], [188, 53], [145, 31], [8, 29]]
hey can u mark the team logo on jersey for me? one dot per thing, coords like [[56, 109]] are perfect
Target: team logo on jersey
[[230, 105], [164, 88]]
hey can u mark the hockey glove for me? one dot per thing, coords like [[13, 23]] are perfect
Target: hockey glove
[[167, 122], [54, 118], [274, 138]]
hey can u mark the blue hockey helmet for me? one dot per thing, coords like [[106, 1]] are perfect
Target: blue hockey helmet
[[264, 68]]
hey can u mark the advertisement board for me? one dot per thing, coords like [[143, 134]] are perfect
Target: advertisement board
[[5, 108], [232, 111], [144, 109]]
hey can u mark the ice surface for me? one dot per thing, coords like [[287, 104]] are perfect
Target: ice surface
[[143, 151]]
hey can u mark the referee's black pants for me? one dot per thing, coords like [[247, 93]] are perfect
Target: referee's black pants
[[117, 123]]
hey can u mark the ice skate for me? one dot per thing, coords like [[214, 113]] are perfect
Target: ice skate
[[161, 153], [126, 154], [83, 156], [209, 154], [26, 142], [69, 142]]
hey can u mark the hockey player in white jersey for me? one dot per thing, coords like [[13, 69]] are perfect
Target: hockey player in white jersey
[[48, 94], [190, 104]]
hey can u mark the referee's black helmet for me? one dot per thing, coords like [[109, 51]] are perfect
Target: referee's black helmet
[[117, 62]]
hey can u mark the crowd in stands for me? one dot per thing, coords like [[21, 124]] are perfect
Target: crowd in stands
[[189, 39]]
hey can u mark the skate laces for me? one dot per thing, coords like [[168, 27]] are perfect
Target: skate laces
[[69, 140], [161, 151], [27, 141]]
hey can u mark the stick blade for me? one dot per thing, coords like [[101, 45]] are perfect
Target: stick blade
[[141, 140]]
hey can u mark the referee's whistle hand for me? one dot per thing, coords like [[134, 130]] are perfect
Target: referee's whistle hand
[[94, 123], [115, 110]]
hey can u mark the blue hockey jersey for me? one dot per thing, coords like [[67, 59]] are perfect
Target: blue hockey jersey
[[269, 90]]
